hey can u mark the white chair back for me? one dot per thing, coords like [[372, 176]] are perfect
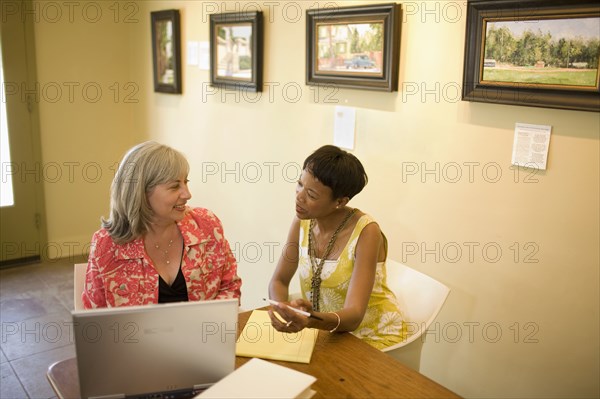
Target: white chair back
[[421, 298]]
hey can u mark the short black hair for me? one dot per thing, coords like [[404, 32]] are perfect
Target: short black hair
[[337, 169]]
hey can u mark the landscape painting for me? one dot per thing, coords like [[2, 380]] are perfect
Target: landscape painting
[[234, 51], [558, 52], [353, 48], [165, 62], [166, 51]]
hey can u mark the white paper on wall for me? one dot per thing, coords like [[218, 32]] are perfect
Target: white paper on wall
[[204, 55], [192, 53], [343, 127], [530, 147]]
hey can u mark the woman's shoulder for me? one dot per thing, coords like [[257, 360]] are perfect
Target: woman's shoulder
[[364, 219], [102, 238], [102, 245], [202, 214], [201, 219]]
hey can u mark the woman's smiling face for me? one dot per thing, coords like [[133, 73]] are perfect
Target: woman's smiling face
[[168, 200]]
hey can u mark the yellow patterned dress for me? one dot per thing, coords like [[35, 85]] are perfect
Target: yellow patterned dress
[[383, 324]]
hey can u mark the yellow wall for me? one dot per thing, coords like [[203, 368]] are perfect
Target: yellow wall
[[85, 115], [521, 323]]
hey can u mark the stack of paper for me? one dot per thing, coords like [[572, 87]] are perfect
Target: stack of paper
[[260, 339], [261, 379]]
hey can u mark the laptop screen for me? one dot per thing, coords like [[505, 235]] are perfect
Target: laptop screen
[[154, 349]]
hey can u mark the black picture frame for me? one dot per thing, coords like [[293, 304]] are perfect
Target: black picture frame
[[236, 62], [514, 79], [166, 51], [336, 56]]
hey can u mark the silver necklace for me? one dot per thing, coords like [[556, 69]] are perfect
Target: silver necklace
[[165, 251]]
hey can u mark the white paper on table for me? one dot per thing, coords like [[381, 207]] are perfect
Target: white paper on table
[[343, 127], [530, 147], [260, 379]]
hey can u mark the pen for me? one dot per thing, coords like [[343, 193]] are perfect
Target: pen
[[302, 312]]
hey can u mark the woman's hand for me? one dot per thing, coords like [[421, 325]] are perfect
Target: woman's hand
[[288, 320], [302, 304]]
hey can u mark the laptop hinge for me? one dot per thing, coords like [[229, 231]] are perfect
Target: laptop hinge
[[114, 396], [202, 386]]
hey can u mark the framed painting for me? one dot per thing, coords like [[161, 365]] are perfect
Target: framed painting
[[540, 53], [236, 50], [166, 51], [354, 47]]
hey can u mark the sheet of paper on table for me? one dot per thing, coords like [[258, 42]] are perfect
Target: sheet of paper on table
[[262, 379], [260, 339]]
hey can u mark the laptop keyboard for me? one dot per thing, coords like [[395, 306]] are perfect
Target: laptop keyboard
[[182, 394]]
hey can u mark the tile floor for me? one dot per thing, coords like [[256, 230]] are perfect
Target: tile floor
[[35, 305]]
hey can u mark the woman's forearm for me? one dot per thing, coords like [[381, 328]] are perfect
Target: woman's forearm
[[278, 291]]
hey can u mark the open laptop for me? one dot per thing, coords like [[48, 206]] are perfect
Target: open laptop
[[157, 351]]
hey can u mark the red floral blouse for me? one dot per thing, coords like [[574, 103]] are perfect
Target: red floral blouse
[[124, 275]]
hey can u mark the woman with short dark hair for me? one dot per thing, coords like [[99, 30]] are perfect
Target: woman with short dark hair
[[339, 253]]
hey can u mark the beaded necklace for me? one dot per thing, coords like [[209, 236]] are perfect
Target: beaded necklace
[[318, 268]]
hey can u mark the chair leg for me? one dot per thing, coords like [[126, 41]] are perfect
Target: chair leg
[[409, 355]]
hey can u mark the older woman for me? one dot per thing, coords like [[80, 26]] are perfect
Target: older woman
[[154, 248], [340, 255]]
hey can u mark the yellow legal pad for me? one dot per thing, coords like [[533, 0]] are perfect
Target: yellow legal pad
[[260, 339]]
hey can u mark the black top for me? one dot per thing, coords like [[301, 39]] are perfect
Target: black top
[[177, 292]]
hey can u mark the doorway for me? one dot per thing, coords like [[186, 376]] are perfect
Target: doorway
[[22, 227]]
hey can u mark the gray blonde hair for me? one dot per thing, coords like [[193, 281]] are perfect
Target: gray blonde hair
[[143, 167]]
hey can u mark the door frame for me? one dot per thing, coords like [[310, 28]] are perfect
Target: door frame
[[34, 117]]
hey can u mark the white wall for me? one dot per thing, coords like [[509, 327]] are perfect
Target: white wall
[[541, 294]]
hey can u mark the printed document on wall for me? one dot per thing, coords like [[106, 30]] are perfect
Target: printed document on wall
[[530, 147]]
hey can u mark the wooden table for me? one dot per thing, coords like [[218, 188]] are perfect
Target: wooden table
[[345, 367]]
